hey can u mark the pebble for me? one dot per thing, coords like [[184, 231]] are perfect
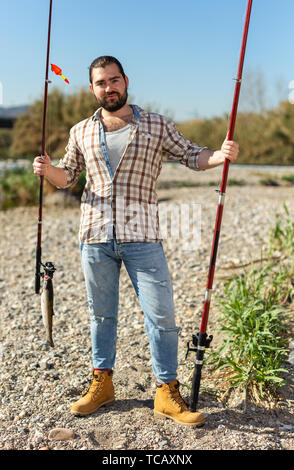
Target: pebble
[[286, 427], [38, 437], [61, 434], [291, 358]]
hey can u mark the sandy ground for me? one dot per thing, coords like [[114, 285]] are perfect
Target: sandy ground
[[38, 385]]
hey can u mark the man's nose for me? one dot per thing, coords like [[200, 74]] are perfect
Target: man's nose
[[108, 87]]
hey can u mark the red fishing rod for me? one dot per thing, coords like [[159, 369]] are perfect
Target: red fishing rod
[[39, 236], [201, 341]]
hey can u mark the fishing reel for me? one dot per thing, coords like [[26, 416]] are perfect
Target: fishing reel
[[201, 341], [49, 269]]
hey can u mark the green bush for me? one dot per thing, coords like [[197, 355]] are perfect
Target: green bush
[[5, 143], [253, 319], [253, 325], [18, 187]]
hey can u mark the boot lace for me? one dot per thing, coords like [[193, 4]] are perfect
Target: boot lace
[[175, 397], [96, 385]]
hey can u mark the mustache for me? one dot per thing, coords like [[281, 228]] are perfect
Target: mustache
[[112, 93]]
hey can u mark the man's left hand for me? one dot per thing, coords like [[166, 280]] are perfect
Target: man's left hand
[[230, 150]]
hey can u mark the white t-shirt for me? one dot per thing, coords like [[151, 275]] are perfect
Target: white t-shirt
[[116, 142]]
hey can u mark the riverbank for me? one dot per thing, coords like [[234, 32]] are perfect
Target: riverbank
[[39, 385]]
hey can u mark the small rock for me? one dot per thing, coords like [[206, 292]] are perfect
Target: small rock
[[46, 364], [38, 438], [286, 427], [61, 434], [23, 413], [163, 443], [291, 358]]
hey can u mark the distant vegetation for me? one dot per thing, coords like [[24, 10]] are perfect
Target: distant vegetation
[[265, 137], [5, 143], [62, 113], [18, 187]]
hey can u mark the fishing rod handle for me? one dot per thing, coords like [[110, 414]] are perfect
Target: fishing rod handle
[[37, 273], [195, 388], [201, 341]]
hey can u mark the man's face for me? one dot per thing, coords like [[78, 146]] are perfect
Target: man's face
[[109, 87]]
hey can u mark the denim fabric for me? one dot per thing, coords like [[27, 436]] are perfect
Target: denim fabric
[[146, 265]]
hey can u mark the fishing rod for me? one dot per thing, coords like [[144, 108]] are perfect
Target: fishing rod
[[39, 263], [201, 340]]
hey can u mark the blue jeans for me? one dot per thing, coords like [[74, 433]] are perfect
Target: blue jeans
[[147, 267]]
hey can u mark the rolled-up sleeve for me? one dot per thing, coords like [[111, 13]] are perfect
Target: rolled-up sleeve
[[73, 161], [177, 148]]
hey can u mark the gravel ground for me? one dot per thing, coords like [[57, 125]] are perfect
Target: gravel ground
[[38, 384]]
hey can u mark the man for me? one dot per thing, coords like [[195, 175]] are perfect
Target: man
[[121, 147]]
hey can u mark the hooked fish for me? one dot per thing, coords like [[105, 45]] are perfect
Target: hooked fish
[[47, 308]]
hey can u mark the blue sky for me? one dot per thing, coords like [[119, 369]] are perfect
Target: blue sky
[[180, 56]]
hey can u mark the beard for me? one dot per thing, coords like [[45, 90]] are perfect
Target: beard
[[115, 102]]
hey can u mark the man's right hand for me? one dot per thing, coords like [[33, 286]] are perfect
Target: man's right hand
[[41, 165]]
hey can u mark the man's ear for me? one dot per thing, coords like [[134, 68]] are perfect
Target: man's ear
[[127, 81], [91, 88]]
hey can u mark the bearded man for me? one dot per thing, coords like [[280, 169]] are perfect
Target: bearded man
[[121, 148]]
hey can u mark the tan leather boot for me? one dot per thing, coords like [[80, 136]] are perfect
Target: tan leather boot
[[99, 393], [168, 403]]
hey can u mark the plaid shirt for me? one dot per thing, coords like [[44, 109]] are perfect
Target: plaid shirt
[[125, 200]]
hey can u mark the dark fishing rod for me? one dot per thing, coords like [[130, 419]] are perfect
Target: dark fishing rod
[[39, 235], [201, 341]]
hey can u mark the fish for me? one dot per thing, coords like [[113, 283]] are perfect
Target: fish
[[47, 308]]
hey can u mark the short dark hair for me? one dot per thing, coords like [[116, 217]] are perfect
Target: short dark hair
[[103, 61]]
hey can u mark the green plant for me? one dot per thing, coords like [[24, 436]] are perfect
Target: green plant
[[281, 235], [236, 182], [252, 324], [269, 182], [253, 319], [5, 143], [18, 187], [289, 178]]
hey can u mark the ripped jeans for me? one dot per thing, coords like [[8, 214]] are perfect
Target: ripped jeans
[[147, 268]]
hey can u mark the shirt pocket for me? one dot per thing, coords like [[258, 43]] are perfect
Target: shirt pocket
[[152, 148]]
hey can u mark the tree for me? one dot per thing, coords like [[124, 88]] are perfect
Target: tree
[[63, 112]]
